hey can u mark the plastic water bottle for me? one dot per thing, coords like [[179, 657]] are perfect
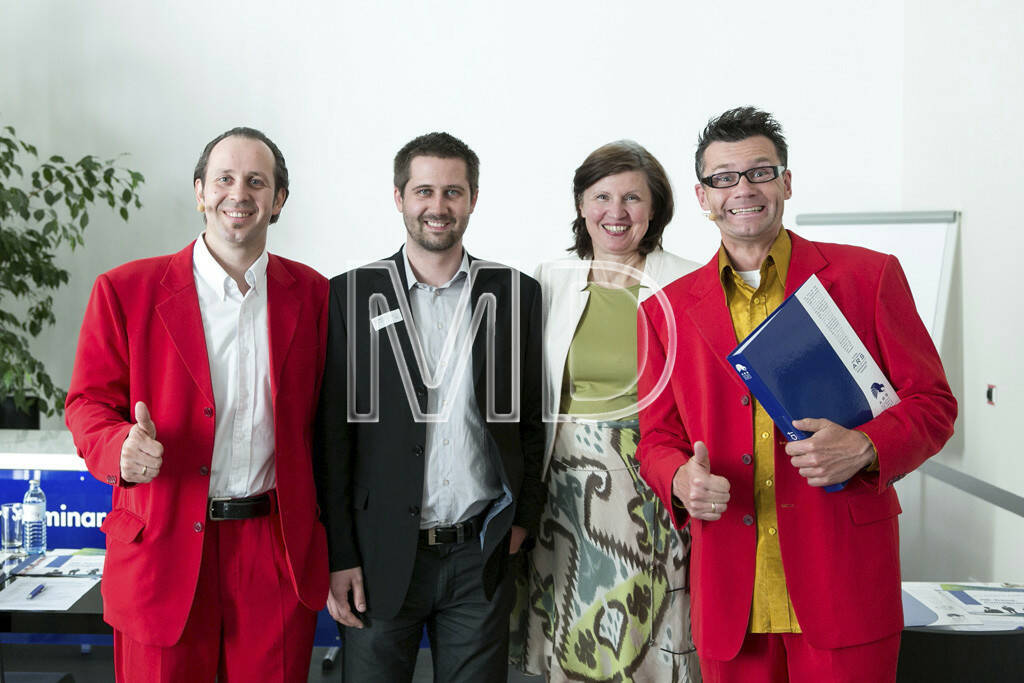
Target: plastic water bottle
[[33, 519]]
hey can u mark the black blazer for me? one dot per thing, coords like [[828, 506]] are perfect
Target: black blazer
[[370, 472]]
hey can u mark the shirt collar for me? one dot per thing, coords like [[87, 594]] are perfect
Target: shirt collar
[[410, 276], [779, 255], [218, 279]]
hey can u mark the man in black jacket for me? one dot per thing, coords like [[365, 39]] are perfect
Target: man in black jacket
[[430, 437]]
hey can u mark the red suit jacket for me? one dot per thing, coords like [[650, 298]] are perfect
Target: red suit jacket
[[142, 340], [840, 551]]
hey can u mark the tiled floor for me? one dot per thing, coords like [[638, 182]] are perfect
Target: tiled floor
[[97, 666]]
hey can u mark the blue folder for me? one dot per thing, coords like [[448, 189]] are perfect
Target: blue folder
[[805, 360]]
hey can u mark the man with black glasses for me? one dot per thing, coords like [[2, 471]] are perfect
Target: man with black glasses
[[790, 581]]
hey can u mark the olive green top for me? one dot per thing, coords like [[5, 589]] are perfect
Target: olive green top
[[600, 370]]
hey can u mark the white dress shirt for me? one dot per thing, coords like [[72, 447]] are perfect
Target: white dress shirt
[[238, 348], [459, 479]]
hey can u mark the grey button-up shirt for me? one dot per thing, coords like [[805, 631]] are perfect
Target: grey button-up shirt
[[459, 479]]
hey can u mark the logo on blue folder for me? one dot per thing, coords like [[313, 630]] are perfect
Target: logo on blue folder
[[742, 369], [858, 362]]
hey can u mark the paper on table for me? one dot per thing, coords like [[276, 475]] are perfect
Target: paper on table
[[68, 562], [999, 606], [989, 598], [14, 563], [58, 595], [946, 611], [968, 607]]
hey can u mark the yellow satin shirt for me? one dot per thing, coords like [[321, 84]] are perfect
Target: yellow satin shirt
[[771, 610]]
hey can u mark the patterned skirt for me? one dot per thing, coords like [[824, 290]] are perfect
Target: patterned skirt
[[603, 594]]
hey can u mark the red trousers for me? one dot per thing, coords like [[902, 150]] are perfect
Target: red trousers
[[784, 657], [246, 623]]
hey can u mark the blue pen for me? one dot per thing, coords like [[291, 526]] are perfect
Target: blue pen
[[36, 591]]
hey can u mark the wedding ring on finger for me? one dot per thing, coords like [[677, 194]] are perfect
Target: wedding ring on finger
[[714, 508], [145, 468]]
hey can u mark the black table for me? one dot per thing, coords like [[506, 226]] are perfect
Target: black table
[[85, 616], [929, 655]]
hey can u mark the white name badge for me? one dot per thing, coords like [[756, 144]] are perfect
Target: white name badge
[[385, 319]]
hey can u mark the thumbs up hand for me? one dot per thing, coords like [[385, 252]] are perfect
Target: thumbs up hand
[[144, 421], [704, 495], [141, 453]]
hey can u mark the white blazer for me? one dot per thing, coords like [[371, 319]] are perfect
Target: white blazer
[[564, 294]]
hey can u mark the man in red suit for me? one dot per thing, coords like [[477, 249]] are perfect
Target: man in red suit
[[790, 582], [216, 562]]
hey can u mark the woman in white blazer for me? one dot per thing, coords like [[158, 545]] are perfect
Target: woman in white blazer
[[603, 593]]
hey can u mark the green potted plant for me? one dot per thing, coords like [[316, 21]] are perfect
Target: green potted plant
[[43, 206]]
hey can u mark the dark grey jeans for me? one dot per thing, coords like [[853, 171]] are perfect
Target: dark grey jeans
[[468, 633]]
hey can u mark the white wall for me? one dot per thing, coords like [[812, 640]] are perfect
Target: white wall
[[532, 86], [962, 144]]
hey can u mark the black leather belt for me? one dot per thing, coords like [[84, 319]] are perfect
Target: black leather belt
[[459, 533], [219, 509]]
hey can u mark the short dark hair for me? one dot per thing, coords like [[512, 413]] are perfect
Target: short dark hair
[[739, 124], [616, 157], [441, 146], [280, 168]]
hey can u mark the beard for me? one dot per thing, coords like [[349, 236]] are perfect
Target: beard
[[415, 226]]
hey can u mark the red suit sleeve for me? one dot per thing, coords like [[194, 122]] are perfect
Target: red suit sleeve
[[98, 404], [664, 445]]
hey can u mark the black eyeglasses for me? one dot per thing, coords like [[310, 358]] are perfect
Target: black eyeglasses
[[761, 174]]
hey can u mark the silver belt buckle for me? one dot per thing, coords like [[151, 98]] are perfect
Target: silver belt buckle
[[209, 507], [432, 536]]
